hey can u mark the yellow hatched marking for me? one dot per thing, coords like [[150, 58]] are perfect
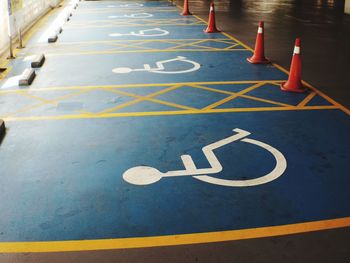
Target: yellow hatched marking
[[174, 41], [323, 95], [121, 86], [265, 100], [171, 104], [149, 50], [134, 22], [307, 99], [52, 101], [129, 10], [242, 95], [231, 47], [187, 44], [26, 94], [126, 47], [233, 96], [165, 113], [149, 97], [171, 86]]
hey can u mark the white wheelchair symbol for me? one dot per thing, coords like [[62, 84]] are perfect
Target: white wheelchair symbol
[[127, 5], [145, 175], [138, 15], [160, 67], [158, 32]]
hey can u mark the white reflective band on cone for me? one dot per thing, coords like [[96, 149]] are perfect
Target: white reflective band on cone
[[296, 50], [260, 30], [211, 9]]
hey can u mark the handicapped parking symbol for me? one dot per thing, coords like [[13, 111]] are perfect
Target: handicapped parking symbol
[[127, 5], [160, 68], [145, 175], [157, 32], [137, 15]]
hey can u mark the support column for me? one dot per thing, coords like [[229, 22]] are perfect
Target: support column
[[347, 6]]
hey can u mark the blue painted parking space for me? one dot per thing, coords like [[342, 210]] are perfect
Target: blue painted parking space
[[125, 4], [110, 69], [87, 192], [136, 33], [132, 16], [130, 133]]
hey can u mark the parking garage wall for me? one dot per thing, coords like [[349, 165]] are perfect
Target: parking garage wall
[[24, 14]]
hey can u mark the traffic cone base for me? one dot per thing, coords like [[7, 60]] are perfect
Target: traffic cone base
[[211, 31], [254, 60], [299, 89], [186, 13]]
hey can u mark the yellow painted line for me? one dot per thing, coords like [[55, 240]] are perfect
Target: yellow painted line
[[212, 89], [52, 101], [151, 98], [307, 99], [232, 46], [26, 94], [125, 25], [188, 44], [164, 113], [242, 95], [173, 240], [5, 72], [175, 41], [233, 96], [326, 97], [340, 106], [171, 104], [265, 100], [121, 86], [133, 20], [121, 106], [144, 50], [128, 10]]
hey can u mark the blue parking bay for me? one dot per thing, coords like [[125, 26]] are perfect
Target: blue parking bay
[[131, 16], [134, 33], [168, 134], [109, 69], [79, 191]]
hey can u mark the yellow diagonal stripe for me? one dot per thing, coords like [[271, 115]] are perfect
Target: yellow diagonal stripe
[[233, 96]]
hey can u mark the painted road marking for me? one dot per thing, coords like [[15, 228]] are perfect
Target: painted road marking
[[191, 238], [126, 5], [137, 15], [139, 22], [160, 67], [171, 240], [112, 112], [132, 46], [143, 33], [144, 175]]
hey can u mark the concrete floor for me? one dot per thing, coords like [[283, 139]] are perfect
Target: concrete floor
[[325, 33], [322, 26]]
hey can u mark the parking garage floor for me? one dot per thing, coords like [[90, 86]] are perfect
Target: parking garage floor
[[143, 138]]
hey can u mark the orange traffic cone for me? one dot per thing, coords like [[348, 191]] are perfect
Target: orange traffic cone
[[294, 81], [186, 11], [259, 56], [211, 23]]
